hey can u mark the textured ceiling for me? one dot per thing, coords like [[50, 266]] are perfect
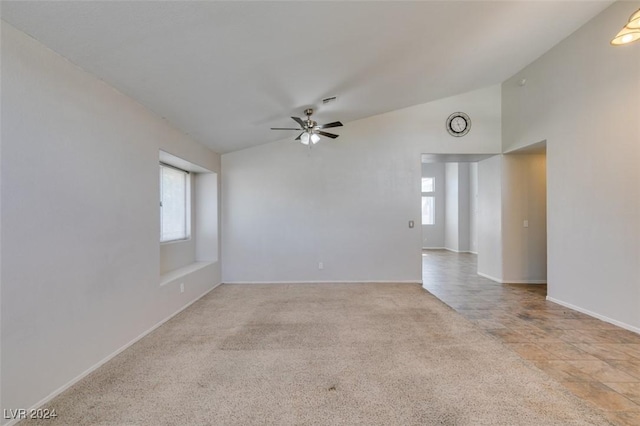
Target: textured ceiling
[[224, 72]]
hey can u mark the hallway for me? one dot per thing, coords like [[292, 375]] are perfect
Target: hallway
[[595, 360]]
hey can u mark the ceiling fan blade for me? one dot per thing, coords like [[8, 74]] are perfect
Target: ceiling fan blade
[[298, 138], [299, 121], [330, 125], [285, 128], [329, 135]]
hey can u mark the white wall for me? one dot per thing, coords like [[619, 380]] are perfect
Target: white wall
[[582, 98], [80, 221], [473, 207], [524, 198], [458, 207], [433, 235], [464, 212], [451, 236], [490, 218], [347, 202], [207, 218]]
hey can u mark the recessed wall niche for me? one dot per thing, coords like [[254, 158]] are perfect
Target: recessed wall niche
[[182, 257]]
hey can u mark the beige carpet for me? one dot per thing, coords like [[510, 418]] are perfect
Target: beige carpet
[[319, 354]]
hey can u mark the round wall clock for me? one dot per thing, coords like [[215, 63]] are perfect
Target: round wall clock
[[458, 124]]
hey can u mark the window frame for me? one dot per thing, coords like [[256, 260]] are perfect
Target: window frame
[[428, 194]]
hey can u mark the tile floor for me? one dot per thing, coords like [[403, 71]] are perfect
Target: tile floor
[[595, 360]]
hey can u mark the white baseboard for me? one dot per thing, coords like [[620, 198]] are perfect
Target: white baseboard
[[501, 281], [498, 280], [448, 249], [524, 281], [108, 358], [595, 315], [323, 282], [457, 251]]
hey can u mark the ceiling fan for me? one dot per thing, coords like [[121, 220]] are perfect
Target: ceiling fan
[[311, 130]]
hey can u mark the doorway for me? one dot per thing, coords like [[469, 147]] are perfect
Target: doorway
[[450, 202], [524, 215], [449, 212], [492, 206]]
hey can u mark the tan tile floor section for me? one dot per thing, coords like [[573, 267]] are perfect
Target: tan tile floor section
[[595, 360]]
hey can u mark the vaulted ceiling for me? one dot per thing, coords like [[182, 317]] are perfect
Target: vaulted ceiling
[[225, 72]]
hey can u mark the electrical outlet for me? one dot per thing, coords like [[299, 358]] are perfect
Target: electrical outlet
[[181, 287], [320, 265], [525, 224]]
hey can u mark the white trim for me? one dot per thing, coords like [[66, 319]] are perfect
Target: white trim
[[433, 248], [595, 315], [501, 281], [473, 252], [107, 358], [457, 251], [490, 277], [323, 282], [524, 282]]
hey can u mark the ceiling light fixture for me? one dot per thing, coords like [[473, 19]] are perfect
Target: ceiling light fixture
[[309, 137], [634, 21], [304, 138], [311, 130], [630, 32]]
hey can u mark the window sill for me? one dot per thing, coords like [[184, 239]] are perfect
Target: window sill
[[175, 274], [184, 240]]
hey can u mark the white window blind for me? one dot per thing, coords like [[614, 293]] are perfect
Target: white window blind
[[173, 204]]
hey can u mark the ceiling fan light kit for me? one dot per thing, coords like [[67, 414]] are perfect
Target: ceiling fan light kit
[[311, 130], [309, 138]]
